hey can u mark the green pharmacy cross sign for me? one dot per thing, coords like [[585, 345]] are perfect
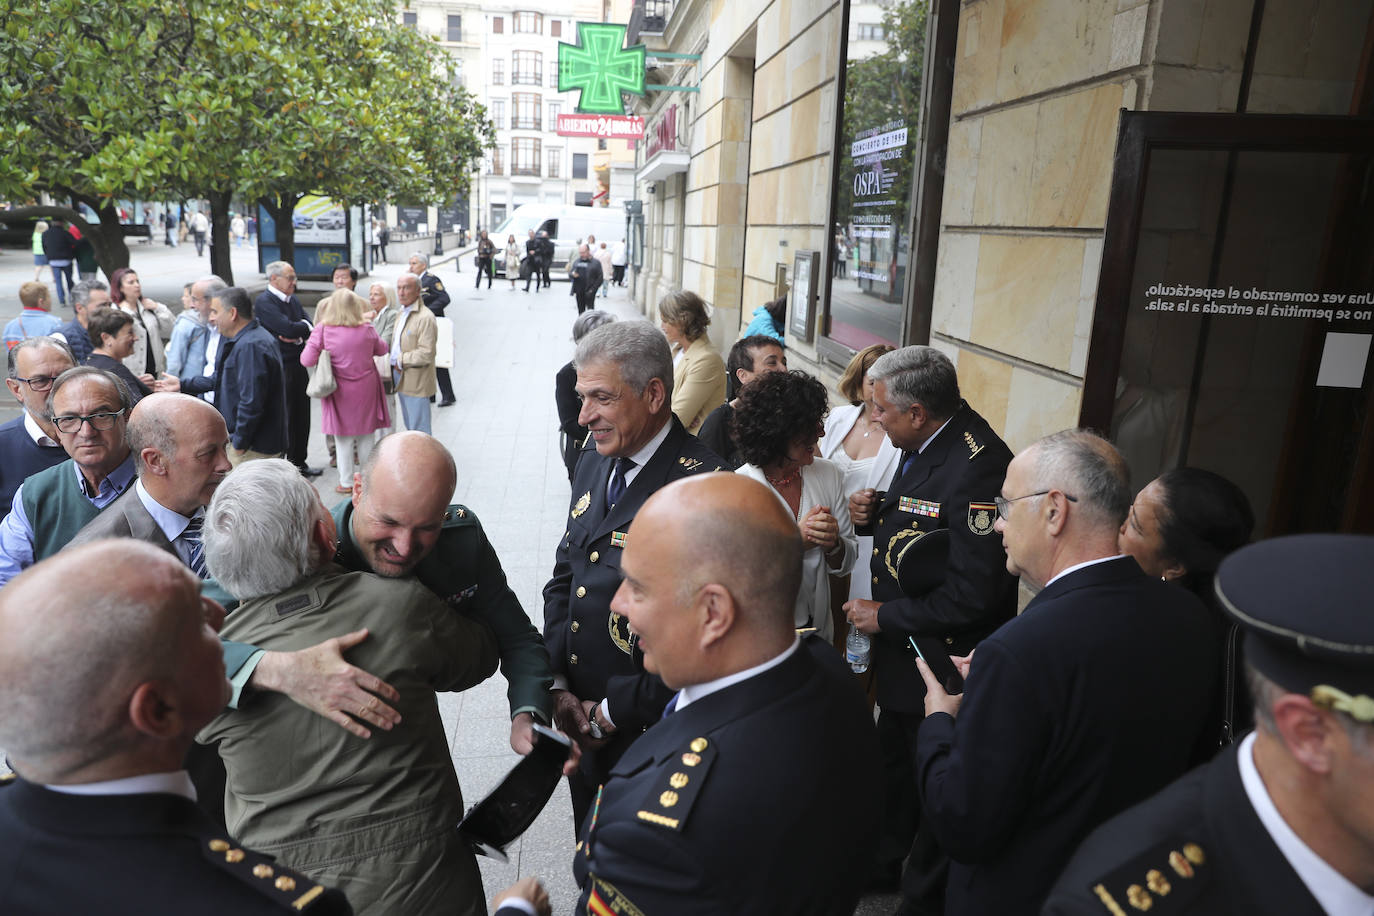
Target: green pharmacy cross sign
[[600, 67]]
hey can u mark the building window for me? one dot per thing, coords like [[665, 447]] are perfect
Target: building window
[[408, 18], [555, 161], [553, 77], [582, 198], [579, 165], [498, 71], [524, 111], [556, 28], [524, 156], [498, 113], [532, 23], [601, 143], [455, 28], [555, 109], [498, 25], [497, 166], [871, 31], [528, 69]]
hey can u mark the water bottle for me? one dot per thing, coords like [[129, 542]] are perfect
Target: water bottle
[[856, 649]]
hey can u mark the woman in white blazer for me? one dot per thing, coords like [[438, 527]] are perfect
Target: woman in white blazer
[[777, 422], [857, 445]]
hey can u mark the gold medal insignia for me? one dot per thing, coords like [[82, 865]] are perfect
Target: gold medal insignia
[[583, 502]]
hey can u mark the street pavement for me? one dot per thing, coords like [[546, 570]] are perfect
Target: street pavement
[[503, 433]]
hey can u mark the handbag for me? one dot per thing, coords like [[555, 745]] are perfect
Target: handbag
[[383, 366], [322, 382]]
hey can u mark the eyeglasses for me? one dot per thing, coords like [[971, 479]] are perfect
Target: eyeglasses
[[1004, 504], [100, 421], [38, 382]]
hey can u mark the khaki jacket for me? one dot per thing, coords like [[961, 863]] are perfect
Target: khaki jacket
[[698, 383], [418, 336]]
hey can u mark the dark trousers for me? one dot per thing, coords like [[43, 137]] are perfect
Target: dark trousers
[[618, 274], [586, 299], [200, 243], [445, 384], [905, 833], [544, 273], [297, 407], [485, 266]]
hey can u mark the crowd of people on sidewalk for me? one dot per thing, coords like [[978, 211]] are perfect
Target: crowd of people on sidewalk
[[798, 653]]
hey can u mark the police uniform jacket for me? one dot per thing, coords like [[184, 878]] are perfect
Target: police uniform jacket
[[949, 485], [1089, 701], [1197, 847], [153, 854], [762, 797], [589, 644], [433, 294], [464, 571]]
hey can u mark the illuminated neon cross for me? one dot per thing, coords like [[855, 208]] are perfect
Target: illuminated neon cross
[[600, 68]]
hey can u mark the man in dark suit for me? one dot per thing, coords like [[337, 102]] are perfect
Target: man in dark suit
[[545, 256], [30, 443], [436, 299], [249, 378], [952, 464], [101, 816], [757, 792], [602, 695], [1279, 824], [179, 445], [279, 311], [530, 266], [587, 278], [1089, 701]]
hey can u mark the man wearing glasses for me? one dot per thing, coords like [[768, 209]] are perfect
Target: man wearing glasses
[[89, 408], [952, 465], [29, 444], [1090, 701]]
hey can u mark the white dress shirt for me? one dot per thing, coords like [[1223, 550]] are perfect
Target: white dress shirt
[[177, 782], [172, 524]]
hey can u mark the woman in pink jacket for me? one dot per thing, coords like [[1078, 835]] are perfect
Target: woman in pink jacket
[[357, 408]]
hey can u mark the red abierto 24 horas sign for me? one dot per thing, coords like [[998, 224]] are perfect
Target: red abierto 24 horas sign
[[609, 127]]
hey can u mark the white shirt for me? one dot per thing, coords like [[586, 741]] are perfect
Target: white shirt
[[1336, 895], [1086, 563], [172, 524], [36, 433], [177, 782], [688, 695], [211, 357]]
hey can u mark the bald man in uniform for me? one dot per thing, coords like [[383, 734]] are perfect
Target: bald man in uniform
[[758, 792], [101, 818]]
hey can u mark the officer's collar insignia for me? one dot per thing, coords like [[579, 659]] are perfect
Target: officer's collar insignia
[[1164, 879], [690, 464], [618, 539], [671, 798], [583, 502], [460, 597], [981, 516], [974, 447], [919, 507]]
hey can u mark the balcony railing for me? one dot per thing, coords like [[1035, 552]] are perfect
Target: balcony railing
[[648, 17]]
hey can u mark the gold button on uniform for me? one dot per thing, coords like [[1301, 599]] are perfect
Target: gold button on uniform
[[875, 551], [949, 640], [875, 580], [234, 855], [219, 845], [582, 591], [572, 659], [595, 556], [286, 883], [576, 626], [262, 871]]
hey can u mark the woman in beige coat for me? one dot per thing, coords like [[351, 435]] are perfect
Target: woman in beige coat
[[698, 371]]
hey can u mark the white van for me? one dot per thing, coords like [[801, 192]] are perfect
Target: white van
[[565, 224]]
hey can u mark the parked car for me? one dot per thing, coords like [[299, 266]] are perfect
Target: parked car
[[302, 222], [334, 219]]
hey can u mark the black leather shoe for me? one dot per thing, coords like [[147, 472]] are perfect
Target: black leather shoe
[[448, 403], [307, 471]]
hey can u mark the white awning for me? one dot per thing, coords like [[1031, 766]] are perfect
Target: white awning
[[662, 165]]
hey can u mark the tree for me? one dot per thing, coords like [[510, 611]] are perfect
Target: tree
[[209, 98]]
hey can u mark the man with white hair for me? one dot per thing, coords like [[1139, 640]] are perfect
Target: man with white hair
[[101, 695], [279, 311], [1088, 702], [374, 818], [187, 352], [436, 300], [413, 340]]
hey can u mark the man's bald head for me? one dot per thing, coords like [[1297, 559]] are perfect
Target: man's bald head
[[180, 449], [400, 501], [69, 673]]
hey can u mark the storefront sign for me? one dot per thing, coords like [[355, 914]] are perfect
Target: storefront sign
[[663, 133], [601, 68], [609, 127]]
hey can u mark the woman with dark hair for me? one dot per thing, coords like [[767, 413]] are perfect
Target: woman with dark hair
[[1180, 527], [112, 338], [698, 370], [776, 424], [153, 323], [749, 357], [768, 319]]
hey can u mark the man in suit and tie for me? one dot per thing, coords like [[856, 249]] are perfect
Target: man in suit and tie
[[179, 445], [436, 300], [951, 467], [603, 697], [279, 311], [1088, 702]]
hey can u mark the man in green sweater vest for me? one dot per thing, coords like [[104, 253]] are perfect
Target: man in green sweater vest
[[90, 408]]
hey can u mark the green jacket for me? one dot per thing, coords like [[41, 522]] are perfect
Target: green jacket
[[465, 572]]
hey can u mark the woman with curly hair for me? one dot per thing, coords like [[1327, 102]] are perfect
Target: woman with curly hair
[[698, 370], [776, 425]]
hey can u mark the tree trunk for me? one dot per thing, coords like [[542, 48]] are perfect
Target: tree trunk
[[106, 236], [282, 208], [220, 264]]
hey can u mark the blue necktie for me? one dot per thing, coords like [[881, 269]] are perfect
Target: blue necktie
[[672, 705], [191, 537], [906, 465], [617, 488]]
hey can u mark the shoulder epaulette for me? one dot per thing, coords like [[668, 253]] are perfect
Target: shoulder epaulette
[[457, 516], [1163, 879], [670, 802], [974, 446], [290, 889], [8, 779]]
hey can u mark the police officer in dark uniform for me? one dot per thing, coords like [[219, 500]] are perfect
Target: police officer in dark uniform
[[952, 467], [436, 299], [1281, 823], [102, 819], [602, 695]]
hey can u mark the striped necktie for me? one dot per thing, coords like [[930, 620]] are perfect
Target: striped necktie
[[191, 537]]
